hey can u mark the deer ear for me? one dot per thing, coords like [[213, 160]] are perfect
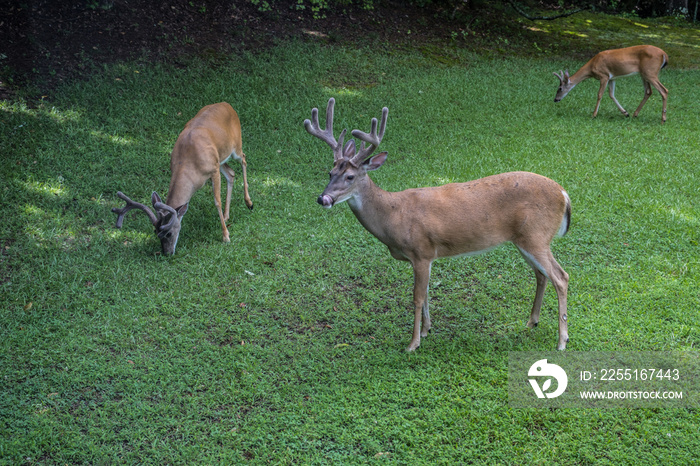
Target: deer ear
[[182, 210], [375, 162]]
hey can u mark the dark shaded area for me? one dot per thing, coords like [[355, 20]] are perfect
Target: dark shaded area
[[46, 42]]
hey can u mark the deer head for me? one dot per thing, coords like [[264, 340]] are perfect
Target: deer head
[[350, 166], [166, 220], [565, 85]]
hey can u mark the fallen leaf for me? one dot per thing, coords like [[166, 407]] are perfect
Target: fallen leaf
[[28, 306]]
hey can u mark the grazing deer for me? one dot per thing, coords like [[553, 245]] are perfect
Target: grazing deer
[[609, 65], [201, 153], [421, 225]]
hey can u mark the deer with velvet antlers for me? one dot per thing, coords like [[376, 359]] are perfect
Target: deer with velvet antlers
[[201, 153], [609, 65], [424, 224]]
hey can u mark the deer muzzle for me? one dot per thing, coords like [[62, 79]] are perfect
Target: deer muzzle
[[325, 200]]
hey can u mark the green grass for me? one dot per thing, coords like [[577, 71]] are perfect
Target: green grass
[[286, 345]]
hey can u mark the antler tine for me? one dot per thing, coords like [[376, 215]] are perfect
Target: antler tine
[[314, 128], [373, 138], [131, 205], [166, 207]]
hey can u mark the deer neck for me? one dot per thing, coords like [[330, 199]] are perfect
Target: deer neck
[[582, 74], [372, 206], [179, 194]]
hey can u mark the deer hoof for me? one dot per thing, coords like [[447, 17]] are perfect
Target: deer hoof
[[412, 346]]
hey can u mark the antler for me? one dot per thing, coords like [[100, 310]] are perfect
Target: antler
[[373, 139], [167, 226], [313, 128], [132, 205], [563, 77]]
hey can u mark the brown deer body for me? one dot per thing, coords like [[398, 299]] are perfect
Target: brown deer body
[[201, 153], [609, 65], [423, 224]]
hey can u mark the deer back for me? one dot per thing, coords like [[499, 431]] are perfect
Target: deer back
[[471, 217], [208, 140]]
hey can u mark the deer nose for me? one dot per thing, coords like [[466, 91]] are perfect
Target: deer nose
[[325, 200]]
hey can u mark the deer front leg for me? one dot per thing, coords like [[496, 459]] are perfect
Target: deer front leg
[[612, 96], [216, 186], [601, 91], [421, 277]]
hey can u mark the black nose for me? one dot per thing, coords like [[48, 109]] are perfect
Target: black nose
[[319, 199]]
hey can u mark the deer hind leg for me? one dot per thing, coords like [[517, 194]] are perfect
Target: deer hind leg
[[539, 296], [421, 278], [664, 96], [229, 174], [647, 94], [612, 96], [544, 265], [216, 186], [244, 166]]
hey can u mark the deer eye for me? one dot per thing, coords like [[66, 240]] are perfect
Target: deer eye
[[350, 177]]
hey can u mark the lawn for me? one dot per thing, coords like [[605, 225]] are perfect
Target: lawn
[[286, 345]]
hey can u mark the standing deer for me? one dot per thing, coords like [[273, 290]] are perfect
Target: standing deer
[[201, 153], [421, 225], [609, 65]]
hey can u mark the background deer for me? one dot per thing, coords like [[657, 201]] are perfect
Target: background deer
[[201, 153], [421, 225], [609, 65]]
